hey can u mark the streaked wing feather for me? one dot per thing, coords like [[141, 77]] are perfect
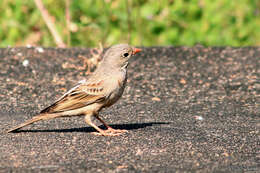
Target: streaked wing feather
[[78, 97]]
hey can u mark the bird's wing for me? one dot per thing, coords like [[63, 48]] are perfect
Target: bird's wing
[[78, 97]]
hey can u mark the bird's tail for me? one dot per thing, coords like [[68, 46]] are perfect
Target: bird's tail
[[39, 117]]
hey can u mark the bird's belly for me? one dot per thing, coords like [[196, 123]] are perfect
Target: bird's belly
[[89, 109]]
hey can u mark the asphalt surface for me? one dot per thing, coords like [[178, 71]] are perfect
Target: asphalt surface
[[186, 109]]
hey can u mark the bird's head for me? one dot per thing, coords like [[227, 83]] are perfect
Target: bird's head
[[118, 55]]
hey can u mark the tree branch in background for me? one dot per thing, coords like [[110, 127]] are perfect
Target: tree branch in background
[[68, 18], [129, 21], [49, 23]]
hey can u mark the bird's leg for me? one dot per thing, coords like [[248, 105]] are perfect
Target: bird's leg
[[100, 131], [110, 129]]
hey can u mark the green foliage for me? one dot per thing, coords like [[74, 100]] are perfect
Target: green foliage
[[139, 22]]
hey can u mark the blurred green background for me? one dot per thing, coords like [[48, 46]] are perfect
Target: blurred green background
[[138, 22]]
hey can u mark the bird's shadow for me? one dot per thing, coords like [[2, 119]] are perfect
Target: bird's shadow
[[91, 129]]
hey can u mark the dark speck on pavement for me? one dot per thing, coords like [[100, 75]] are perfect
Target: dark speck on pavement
[[186, 109]]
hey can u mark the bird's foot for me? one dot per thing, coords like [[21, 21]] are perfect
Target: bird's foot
[[110, 132], [115, 131]]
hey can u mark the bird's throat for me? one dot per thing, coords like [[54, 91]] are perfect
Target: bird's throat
[[125, 65]]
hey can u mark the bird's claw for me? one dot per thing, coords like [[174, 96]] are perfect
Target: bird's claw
[[110, 132]]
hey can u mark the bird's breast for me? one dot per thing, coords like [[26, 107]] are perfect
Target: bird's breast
[[118, 90]]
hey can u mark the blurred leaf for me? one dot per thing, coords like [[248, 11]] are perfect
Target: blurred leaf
[[152, 22]]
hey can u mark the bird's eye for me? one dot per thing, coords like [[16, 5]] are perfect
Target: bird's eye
[[126, 54]]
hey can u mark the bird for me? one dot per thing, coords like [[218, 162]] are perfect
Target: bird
[[99, 90]]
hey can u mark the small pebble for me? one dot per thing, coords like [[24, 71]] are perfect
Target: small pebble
[[39, 49], [25, 62], [156, 99], [200, 118], [183, 81], [28, 46], [19, 54]]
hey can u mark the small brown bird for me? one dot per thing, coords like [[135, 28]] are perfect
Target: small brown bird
[[101, 89]]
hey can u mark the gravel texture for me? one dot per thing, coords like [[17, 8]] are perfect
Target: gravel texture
[[187, 110]]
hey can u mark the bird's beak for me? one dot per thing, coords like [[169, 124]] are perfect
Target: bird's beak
[[136, 50]]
